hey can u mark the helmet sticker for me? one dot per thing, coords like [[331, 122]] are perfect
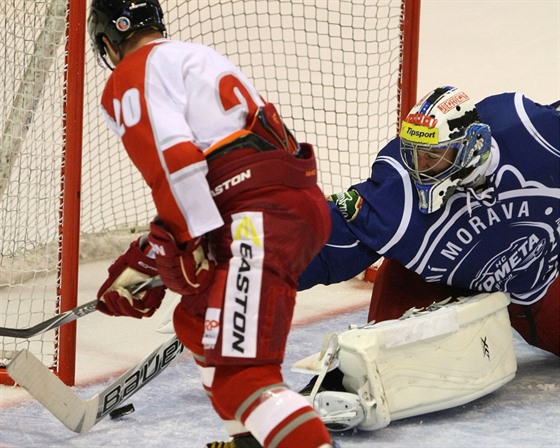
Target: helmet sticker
[[422, 120], [419, 134], [123, 24], [454, 101]]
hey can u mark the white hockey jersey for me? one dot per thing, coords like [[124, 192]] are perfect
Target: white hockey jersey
[[168, 102]]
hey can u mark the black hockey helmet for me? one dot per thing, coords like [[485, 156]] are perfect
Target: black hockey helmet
[[120, 19]]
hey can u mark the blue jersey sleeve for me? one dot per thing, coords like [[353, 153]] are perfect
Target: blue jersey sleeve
[[342, 258]]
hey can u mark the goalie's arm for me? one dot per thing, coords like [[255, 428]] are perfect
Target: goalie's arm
[[342, 258]]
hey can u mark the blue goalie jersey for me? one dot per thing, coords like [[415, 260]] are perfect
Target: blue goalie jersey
[[502, 236]]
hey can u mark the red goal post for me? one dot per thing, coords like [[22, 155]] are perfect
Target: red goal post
[[339, 72]]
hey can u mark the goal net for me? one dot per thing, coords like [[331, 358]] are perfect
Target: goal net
[[339, 72]]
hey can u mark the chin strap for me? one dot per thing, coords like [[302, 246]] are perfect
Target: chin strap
[[432, 197]]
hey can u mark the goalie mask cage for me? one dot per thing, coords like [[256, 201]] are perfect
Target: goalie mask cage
[[339, 72]]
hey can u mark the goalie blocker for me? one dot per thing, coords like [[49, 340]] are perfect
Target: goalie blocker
[[426, 361]]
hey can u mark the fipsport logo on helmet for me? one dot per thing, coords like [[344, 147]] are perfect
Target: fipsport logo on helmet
[[419, 134], [123, 23], [453, 102]]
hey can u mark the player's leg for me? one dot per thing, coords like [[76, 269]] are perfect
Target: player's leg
[[539, 323], [190, 330], [397, 289], [275, 414], [254, 394], [249, 387], [243, 367]]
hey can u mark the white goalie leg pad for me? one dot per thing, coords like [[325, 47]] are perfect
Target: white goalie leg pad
[[429, 361]]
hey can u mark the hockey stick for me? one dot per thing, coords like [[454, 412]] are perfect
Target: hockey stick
[[75, 413], [73, 314]]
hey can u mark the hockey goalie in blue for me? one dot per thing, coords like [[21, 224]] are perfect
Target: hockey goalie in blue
[[467, 196]]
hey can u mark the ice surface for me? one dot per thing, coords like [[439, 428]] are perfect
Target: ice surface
[[482, 47], [172, 411]]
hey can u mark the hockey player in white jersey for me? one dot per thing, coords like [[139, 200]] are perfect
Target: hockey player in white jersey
[[232, 188], [465, 201]]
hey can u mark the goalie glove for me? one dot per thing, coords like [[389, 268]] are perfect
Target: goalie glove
[[184, 268], [132, 267]]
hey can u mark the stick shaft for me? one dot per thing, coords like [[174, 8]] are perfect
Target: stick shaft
[[73, 314]]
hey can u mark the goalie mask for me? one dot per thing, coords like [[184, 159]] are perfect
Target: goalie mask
[[444, 145], [118, 20]]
